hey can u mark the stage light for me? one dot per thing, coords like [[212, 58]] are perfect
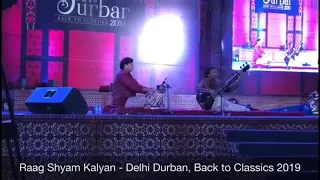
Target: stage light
[[162, 40]]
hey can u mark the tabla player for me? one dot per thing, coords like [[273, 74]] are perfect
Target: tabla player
[[125, 86]]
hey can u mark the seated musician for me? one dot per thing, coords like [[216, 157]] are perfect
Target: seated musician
[[125, 86], [290, 52], [210, 83], [258, 52]]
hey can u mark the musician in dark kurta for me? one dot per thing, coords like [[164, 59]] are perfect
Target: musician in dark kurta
[[210, 84], [125, 86], [290, 52]]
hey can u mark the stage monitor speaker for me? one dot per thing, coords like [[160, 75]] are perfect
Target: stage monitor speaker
[[57, 100]]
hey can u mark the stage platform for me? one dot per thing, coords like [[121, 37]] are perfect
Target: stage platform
[[105, 133], [178, 101], [98, 134], [133, 134], [132, 138], [161, 114]]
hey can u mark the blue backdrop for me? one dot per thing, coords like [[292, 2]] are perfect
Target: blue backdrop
[[290, 7]]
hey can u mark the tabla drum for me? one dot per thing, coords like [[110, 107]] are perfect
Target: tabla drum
[[154, 99]]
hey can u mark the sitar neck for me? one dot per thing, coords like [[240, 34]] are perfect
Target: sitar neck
[[227, 84]]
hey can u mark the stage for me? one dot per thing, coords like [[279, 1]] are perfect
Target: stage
[[100, 134], [134, 134], [51, 134], [58, 44], [166, 138], [178, 101]]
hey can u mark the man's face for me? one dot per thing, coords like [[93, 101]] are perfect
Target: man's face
[[259, 43], [129, 67], [213, 73]]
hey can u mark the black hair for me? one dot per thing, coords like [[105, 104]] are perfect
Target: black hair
[[207, 71], [125, 61], [258, 39]]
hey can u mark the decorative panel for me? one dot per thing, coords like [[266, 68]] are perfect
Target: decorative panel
[[290, 23], [254, 37], [289, 38], [30, 13], [216, 34], [301, 4], [33, 73], [92, 53], [203, 20], [252, 6], [34, 43], [56, 43], [298, 38], [298, 23], [55, 71], [254, 20]]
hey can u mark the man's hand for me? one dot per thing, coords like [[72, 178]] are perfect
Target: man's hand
[[152, 90], [145, 89], [212, 92]]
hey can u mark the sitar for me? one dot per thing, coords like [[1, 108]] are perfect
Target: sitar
[[206, 100], [293, 54]]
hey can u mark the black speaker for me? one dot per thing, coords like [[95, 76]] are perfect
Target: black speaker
[[8, 3], [57, 100]]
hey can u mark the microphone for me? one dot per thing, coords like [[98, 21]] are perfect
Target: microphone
[[165, 81]]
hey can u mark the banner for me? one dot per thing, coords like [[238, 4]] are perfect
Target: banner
[[81, 14], [290, 7]]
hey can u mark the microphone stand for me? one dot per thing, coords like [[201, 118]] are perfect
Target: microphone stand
[[167, 92], [10, 130], [222, 112]]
